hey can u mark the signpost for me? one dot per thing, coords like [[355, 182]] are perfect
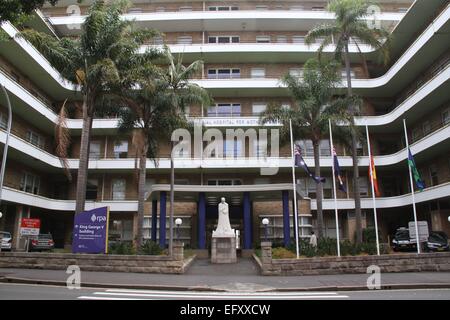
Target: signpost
[[90, 231], [29, 228]]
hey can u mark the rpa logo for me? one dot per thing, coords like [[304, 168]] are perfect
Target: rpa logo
[[94, 218]]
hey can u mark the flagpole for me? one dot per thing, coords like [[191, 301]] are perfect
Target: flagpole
[[373, 191], [294, 185], [334, 188], [412, 188]]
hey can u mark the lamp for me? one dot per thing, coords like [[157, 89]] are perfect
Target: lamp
[[265, 222], [178, 223], [448, 218]]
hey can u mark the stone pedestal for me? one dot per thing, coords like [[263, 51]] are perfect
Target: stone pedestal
[[223, 249]]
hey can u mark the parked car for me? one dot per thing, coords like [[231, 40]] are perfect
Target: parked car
[[402, 241], [6, 240], [41, 242], [437, 241]]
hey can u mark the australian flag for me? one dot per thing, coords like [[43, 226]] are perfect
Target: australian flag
[[299, 162], [337, 172]]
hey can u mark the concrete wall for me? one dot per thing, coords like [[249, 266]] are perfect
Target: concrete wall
[[351, 264], [91, 262]]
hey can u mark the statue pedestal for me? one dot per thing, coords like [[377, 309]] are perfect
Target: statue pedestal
[[223, 249]]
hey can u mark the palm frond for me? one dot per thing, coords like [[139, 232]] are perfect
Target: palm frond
[[62, 138]]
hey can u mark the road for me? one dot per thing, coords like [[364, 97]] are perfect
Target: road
[[46, 292]]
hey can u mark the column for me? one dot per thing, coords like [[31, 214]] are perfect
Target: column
[[201, 221], [247, 222], [154, 219], [162, 219], [286, 226]]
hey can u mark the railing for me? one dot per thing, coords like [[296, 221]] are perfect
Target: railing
[[160, 9]]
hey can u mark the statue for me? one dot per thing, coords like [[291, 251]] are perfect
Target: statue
[[223, 225]]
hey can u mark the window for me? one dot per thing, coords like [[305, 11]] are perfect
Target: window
[[121, 149], [160, 9], [118, 189], [181, 181], [3, 121], [298, 39], [359, 148], [318, 8], [258, 72], [261, 7], [257, 108], [223, 39], [285, 105], [344, 74], [224, 110], [446, 117], [262, 39], [91, 189], [224, 73], [434, 175], [94, 150], [363, 186], [185, 8], [324, 148], [426, 126], [184, 40], [402, 10], [262, 181], [282, 39], [224, 182], [416, 133], [30, 183], [35, 139], [259, 148], [159, 41], [223, 8], [306, 147], [296, 72]]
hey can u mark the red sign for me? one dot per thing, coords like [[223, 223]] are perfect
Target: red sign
[[30, 223], [30, 227]]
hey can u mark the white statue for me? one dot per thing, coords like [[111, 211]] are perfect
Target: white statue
[[223, 226]]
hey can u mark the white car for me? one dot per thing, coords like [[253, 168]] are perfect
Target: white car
[[6, 240]]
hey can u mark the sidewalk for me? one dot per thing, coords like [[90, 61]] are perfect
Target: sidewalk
[[237, 277]]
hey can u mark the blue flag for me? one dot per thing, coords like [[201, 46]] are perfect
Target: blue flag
[[299, 162], [415, 173], [337, 172]]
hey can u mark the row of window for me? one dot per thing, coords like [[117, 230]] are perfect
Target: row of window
[[227, 39], [236, 8], [235, 73]]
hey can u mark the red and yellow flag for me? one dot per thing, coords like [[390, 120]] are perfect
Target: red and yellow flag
[[373, 179]]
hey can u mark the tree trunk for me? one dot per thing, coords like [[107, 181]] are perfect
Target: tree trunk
[[319, 190], [84, 159], [141, 199], [172, 201], [356, 193]]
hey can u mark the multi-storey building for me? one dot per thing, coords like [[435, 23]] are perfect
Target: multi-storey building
[[246, 47]]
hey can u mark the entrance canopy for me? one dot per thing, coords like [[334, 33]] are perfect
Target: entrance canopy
[[233, 194]]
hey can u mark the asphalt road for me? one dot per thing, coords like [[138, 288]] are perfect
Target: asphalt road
[[45, 292]]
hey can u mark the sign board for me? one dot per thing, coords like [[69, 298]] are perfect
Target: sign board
[[90, 231], [30, 227], [422, 226]]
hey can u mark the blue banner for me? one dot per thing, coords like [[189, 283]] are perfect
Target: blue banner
[[90, 231]]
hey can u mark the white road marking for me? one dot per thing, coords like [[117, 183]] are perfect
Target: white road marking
[[118, 294]]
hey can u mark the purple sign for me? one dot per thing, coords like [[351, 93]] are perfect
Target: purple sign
[[90, 231]]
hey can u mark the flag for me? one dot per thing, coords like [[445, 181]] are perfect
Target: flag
[[337, 172], [374, 179], [415, 173], [299, 162]]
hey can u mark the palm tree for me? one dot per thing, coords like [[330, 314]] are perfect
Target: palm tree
[[148, 113], [183, 93], [93, 61], [314, 105], [349, 26]]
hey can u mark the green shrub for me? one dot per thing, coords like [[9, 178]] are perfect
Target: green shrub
[[150, 248], [282, 253], [123, 247]]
